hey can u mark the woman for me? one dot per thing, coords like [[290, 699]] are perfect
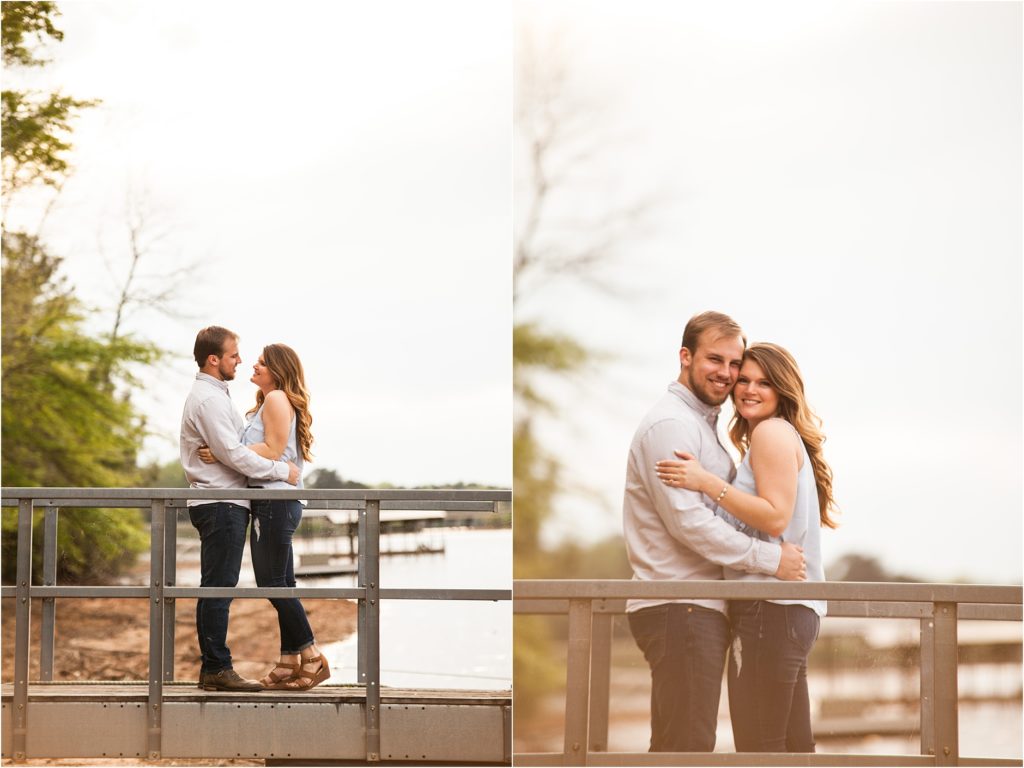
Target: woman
[[279, 428], [782, 491]]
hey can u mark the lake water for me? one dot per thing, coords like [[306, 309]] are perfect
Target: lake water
[[464, 644]]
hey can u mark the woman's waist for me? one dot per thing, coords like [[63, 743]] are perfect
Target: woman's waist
[[815, 573], [273, 485]]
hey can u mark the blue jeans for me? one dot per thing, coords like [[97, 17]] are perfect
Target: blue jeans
[[685, 646], [270, 544], [221, 529], [768, 699]]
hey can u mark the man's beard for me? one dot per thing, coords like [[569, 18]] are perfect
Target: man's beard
[[703, 394]]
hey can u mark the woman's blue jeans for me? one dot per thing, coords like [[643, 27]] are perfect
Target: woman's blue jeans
[[768, 700], [270, 544]]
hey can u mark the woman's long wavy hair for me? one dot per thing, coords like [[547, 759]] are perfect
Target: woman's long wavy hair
[[783, 374], [286, 368]]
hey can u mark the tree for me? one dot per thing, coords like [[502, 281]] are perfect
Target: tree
[[854, 566], [563, 230], [66, 420], [60, 426], [23, 20], [36, 127], [329, 478]]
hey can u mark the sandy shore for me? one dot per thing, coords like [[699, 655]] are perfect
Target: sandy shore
[[108, 639]]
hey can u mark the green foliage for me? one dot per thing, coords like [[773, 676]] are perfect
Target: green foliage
[[857, 567], [169, 475], [36, 131], [535, 483], [63, 422], [605, 559], [26, 19], [536, 350], [328, 478], [535, 473], [93, 545], [36, 127], [534, 671]]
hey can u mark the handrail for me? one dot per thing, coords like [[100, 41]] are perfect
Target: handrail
[[162, 592], [590, 605]]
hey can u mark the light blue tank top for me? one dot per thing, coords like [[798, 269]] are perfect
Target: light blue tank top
[[254, 433], [804, 527]]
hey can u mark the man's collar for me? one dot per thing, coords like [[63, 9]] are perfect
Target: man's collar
[[200, 376], [684, 394]]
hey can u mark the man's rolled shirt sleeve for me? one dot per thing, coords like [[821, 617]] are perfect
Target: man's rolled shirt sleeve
[[223, 440], [685, 514]]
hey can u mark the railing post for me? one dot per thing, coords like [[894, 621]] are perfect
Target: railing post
[[156, 630], [506, 734], [361, 612], [170, 577], [22, 618], [577, 683], [927, 664], [600, 681], [371, 582], [49, 603], [945, 728]]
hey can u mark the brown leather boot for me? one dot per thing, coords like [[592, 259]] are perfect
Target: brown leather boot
[[227, 680]]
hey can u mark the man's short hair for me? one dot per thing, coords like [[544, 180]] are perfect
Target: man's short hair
[[210, 341], [722, 325]]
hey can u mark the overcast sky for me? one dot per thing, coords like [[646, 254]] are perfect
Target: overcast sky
[[845, 180], [341, 174], [842, 178]]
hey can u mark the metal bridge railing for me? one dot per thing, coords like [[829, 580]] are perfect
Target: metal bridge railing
[[590, 606], [161, 591]]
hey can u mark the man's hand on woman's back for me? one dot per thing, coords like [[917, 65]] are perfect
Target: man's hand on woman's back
[[792, 566]]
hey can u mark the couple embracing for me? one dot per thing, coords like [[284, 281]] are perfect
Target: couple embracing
[[689, 513], [219, 451]]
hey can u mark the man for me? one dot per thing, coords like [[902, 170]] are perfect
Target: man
[[210, 419], [673, 533]]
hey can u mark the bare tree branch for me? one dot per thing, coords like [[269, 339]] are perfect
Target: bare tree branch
[[141, 287], [561, 142]]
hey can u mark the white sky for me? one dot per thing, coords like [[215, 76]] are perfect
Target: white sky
[[843, 179], [342, 171]]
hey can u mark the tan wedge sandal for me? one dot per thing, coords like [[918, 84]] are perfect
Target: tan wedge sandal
[[277, 682], [303, 680]]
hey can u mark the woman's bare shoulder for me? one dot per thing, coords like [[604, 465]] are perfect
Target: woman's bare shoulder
[[276, 402], [774, 433]]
